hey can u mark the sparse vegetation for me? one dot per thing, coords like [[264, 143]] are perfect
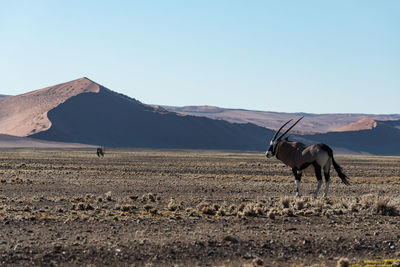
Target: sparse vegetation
[[108, 196], [173, 205], [285, 202], [383, 207], [343, 262], [250, 210], [300, 203], [198, 205]]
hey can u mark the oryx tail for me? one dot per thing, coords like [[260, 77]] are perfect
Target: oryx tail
[[338, 169]]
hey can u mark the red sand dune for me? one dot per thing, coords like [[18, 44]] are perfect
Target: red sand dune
[[363, 124], [82, 111], [382, 137], [26, 114]]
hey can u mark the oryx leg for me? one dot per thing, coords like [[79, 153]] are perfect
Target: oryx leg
[[327, 180], [297, 177], [318, 174]]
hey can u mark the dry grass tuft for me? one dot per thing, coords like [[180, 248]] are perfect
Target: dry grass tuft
[[285, 201], [173, 205], [221, 212], [202, 205], [257, 262], [272, 214], [206, 208], [288, 212], [343, 262], [133, 197], [299, 204], [148, 207], [382, 207], [108, 196], [233, 209], [27, 209], [241, 207], [230, 239], [216, 206], [89, 196], [149, 197], [154, 211], [251, 210], [82, 206], [318, 205], [367, 201], [128, 208], [191, 212]]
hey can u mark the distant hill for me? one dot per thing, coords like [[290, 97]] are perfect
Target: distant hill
[[26, 114], [83, 111], [314, 123], [383, 138], [363, 124]]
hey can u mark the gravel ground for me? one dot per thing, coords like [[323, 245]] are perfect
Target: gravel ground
[[191, 208]]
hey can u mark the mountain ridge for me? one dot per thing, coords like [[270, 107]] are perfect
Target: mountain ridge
[[83, 111], [381, 139], [317, 123], [113, 119]]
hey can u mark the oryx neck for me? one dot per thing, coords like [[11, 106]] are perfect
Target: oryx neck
[[279, 142]]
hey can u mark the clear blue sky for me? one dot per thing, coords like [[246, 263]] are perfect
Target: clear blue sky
[[287, 56]]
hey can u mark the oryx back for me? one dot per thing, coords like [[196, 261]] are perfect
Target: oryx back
[[317, 154], [302, 157]]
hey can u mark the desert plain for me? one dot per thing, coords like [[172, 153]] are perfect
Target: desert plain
[[137, 207]]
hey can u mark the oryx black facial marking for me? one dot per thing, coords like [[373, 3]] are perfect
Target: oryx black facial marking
[[316, 158]]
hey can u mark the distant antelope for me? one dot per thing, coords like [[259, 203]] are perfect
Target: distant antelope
[[301, 158], [100, 151]]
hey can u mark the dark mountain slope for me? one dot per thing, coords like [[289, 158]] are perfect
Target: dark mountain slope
[[111, 119], [383, 139], [313, 123], [82, 111]]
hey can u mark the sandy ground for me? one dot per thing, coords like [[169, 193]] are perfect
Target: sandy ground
[[16, 142], [190, 208]]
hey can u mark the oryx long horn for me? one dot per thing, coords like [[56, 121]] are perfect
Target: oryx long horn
[[277, 132], [289, 128]]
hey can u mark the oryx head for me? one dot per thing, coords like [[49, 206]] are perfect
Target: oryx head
[[275, 141]]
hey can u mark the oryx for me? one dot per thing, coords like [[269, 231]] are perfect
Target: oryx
[[301, 158], [100, 151]]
